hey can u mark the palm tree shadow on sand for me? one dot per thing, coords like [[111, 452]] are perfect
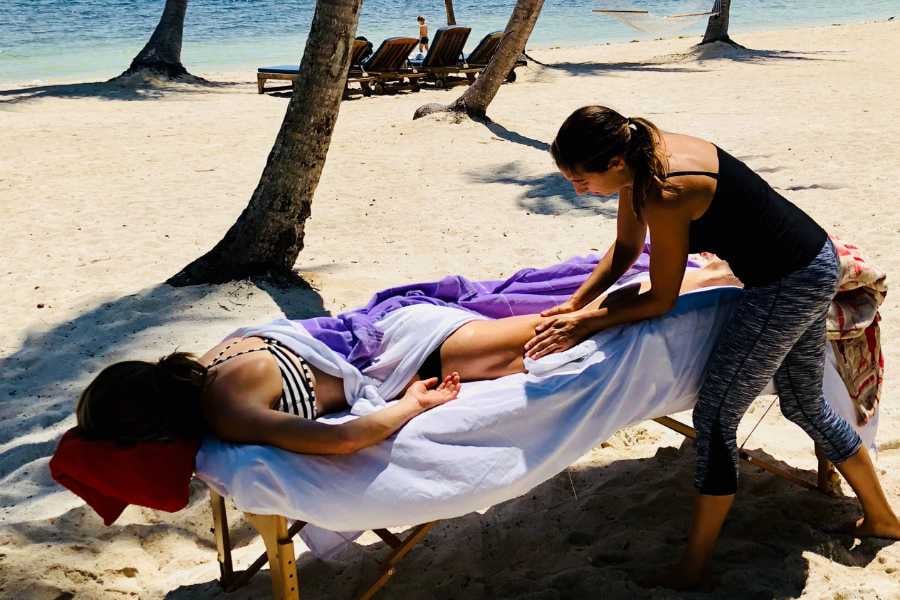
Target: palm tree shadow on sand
[[593, 532], [724, 51], [123, 88], [697, 56], [548, 194]]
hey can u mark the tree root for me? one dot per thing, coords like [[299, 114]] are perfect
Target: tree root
[[457, 108]]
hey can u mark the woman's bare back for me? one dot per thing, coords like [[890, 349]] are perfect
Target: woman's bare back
[[250, 353]]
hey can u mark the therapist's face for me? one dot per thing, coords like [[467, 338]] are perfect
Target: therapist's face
[[598, 183]]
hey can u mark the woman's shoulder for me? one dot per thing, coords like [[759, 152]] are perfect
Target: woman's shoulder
[[688, 153], [253, 375]]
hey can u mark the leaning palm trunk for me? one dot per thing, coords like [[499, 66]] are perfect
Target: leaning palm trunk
[[451, 17], [717, 26], [478, 96], [268, 236], [162, 54]]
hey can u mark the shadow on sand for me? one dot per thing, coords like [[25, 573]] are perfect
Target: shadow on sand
[[548, 194], [691, 61], [517, 138], [123, 89], [593, 532], [723, 51]]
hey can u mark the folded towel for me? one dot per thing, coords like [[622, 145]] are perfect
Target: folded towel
[[109, 476]]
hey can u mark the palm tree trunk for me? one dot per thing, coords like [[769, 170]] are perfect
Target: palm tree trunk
[[477, 97], [268, 236], [162, 54], [717, 26], [451, 18]]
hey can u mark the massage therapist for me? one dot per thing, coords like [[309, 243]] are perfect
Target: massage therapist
[[692, 196]]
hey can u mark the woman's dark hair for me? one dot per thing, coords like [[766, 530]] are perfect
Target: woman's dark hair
[[592, 136], [135, 401]]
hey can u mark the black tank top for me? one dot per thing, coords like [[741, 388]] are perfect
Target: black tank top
[[758, 231]]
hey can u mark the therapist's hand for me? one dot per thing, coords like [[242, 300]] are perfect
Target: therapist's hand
[[569, 306], [556, 334]]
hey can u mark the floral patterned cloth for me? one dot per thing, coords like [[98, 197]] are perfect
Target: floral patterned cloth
[[853, 328]]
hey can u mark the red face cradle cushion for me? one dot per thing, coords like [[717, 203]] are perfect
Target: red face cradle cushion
[[109, 476]]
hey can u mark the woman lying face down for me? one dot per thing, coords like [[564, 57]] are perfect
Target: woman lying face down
[[255, 390]]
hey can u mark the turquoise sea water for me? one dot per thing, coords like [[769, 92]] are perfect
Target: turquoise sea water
[[43, 40]]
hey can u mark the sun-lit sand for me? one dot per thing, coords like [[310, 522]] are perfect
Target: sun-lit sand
[[106, 193]]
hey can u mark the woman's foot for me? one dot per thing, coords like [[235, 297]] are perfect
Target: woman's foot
[[866, 528]]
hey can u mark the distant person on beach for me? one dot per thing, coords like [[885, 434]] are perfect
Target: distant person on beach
[[691, 196], [423, 34]]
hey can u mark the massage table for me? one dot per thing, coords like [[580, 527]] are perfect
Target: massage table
[[496, 441]]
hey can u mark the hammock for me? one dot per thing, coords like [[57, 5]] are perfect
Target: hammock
[[659, 24]]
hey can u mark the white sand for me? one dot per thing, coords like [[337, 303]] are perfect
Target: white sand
[[103, 197]]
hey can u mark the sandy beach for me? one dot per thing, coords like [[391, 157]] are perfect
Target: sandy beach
[[106, 192]]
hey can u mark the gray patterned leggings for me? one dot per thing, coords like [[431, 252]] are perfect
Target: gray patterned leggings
[[776, 330]]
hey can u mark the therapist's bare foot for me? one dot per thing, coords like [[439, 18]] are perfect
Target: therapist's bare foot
[[863, 527]]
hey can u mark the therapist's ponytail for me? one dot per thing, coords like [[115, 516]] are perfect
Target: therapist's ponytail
[[592, 136]]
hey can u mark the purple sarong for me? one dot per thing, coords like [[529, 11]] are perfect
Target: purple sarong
[[353, 334]]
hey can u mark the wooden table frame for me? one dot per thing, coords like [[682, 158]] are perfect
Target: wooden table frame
[[278, 537]]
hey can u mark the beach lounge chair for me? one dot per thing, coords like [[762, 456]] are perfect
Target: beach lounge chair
[[390, 65], [484, 52], [445, 56], [291, 72]]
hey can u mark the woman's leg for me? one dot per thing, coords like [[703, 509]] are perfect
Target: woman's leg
[[487, 349], [764, 326], [799, 381], [749, 350]]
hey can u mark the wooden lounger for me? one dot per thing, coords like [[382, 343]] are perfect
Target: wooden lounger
[[484, 52], [290, 73], [445, 57], [390, 65], [278, 537]]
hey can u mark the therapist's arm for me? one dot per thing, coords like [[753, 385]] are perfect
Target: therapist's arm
[[669, 230], [630, 235]]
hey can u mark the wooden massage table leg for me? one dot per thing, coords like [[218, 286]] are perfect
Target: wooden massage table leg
[[750, 456], [280, 553], [401, 549]]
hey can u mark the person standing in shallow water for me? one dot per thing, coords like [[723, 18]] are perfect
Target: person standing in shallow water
[[423, 34], [691, 196]]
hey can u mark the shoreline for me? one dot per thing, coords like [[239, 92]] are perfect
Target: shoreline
[[248, 66]]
